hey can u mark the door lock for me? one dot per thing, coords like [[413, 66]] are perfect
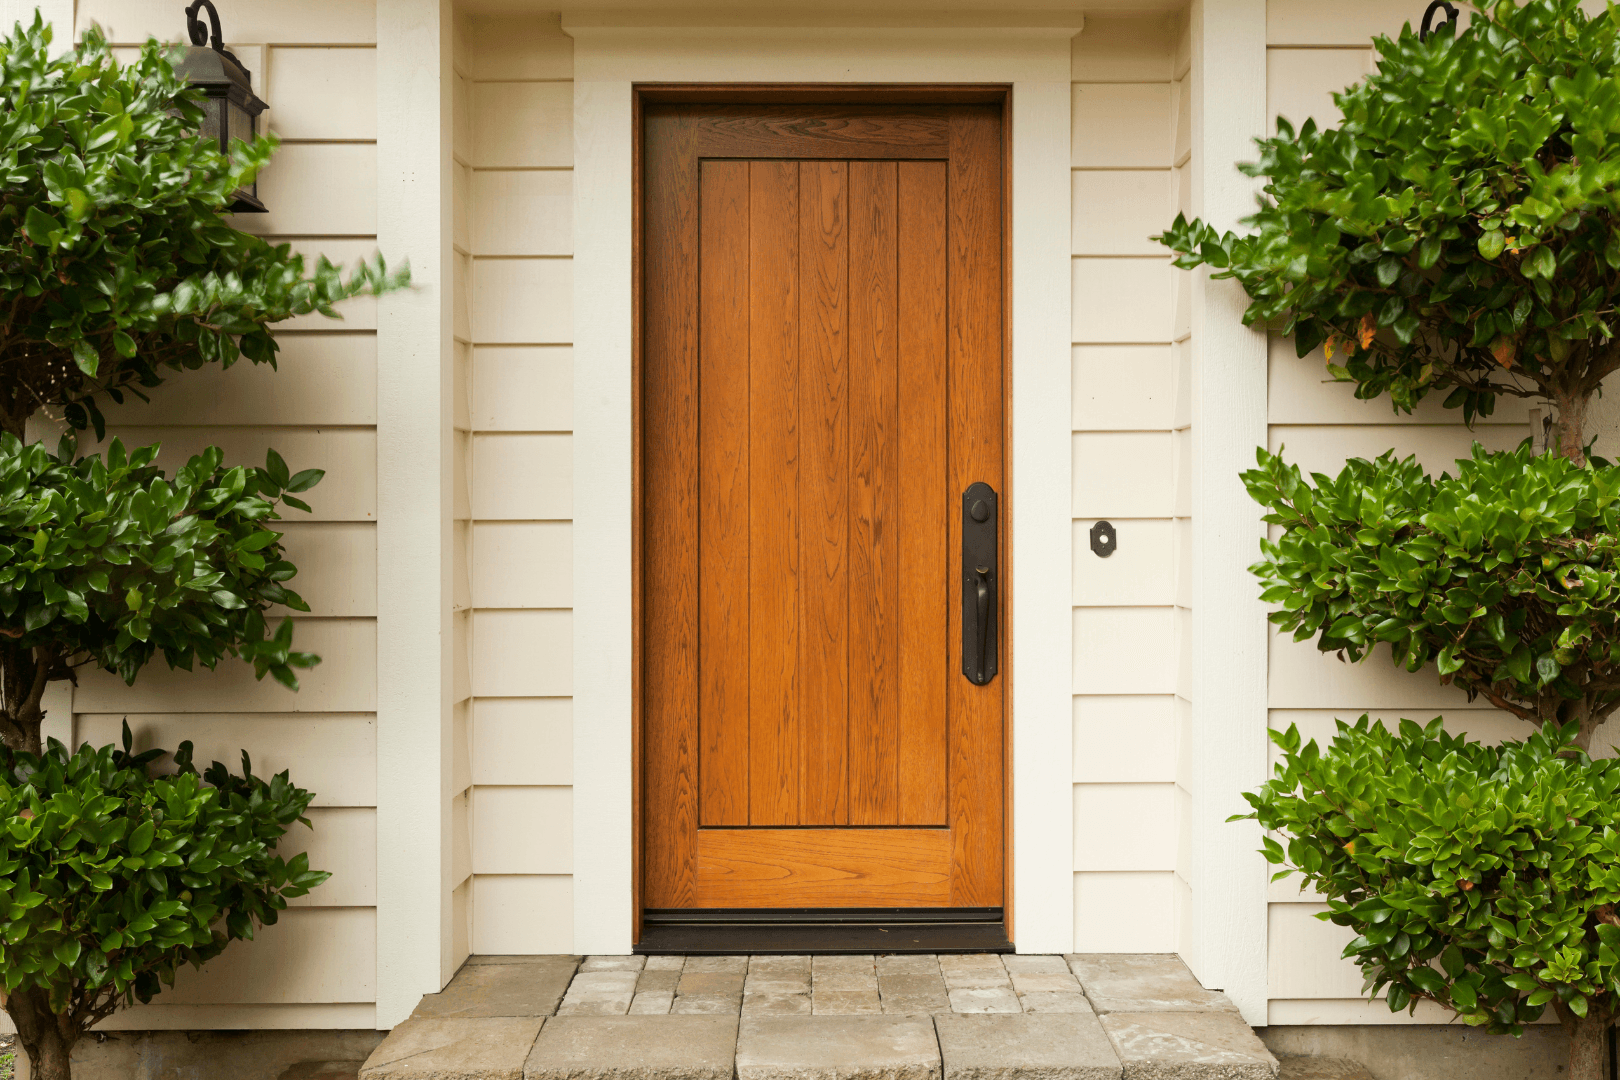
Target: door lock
[[980, 593]]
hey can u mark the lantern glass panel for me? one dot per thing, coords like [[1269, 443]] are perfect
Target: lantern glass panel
[[239, 124], [210, 124]]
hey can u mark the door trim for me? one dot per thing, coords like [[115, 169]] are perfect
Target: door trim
[[608, 60], [812, 94]]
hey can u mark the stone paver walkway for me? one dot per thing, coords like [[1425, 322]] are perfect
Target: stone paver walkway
[[893, 1017]]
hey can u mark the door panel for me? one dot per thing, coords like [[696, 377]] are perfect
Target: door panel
[[822, 378]]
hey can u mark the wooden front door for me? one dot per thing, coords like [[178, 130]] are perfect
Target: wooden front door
[[822, 379]]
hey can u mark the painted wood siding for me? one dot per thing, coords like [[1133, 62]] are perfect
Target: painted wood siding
[[1314, 50], [1132, 355], [514, 157], [315, 63]]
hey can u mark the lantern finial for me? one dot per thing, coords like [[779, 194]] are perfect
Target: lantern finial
[[199, 32]]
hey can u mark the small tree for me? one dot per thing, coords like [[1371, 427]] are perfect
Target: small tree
[[1459, 232], [113, 875], [117, 269], [1484, 879]]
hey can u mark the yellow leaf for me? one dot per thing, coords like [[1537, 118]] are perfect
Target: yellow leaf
[[1327, 347], [1368, 328]]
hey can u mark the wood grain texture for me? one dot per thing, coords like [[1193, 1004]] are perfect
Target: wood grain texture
[[822, 375], [925, 497], [669, 502], [819, 131], [724, 452], [813, 868], [823, 495], [874, 628], [974, 328], [773, 492]]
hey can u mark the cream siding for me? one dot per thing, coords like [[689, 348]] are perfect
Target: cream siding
[[315, 64], [1129, 152], [515, 161], [1312, 52]]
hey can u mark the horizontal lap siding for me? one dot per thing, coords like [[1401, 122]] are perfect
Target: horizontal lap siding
[[515, 158], [1314, 51], [1129, 150], [316, 967]]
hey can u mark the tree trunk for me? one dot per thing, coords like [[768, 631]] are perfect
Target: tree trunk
[[1569, 426], [46, 1038]]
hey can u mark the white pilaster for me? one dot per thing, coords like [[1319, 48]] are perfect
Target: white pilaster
[[415, 478], [1229, 421]]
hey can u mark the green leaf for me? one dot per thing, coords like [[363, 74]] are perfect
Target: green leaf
[[1491, 244], [41, 227]]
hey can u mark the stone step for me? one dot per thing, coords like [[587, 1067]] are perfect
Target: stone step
[[322, 1070], [1123, 1018]]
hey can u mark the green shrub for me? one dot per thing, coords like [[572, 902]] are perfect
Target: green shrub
[[1505, 576], [1459, 232], [115, 261], [1481, 878], [113, 876]]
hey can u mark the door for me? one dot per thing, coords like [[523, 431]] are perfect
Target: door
[[822, 380]]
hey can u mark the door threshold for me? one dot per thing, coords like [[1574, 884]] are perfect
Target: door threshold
[[797, 931]]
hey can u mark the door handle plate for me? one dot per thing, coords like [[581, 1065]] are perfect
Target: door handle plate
[[981, 591]]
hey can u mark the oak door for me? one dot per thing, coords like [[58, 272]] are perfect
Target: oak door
[[822, 379]]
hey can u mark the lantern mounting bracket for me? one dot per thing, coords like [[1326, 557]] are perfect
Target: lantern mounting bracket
[[198, 31]]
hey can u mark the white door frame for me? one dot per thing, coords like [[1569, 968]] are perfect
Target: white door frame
[[612, 52]]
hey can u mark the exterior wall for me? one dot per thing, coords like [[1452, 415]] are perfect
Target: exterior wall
[[1310, 54], [316, 967], [514, 168], [1131, 153]]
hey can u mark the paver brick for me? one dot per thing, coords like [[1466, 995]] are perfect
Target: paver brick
[[733, 965], [837, 1048], [973, 972], [658, 980], [613, 963], [711, 984], [634, 1048], [651, 1002], [845, 980], [1024, 1047], [1035, 965], [908, 964], [665, 963], [1207, 1044], [599, 993], [846, 1002], [913, 994], [853, 962], [706, 1005], [1144, 982], [772, 1004], [997, 999], [1047, 1001], [1033, 982], [454, 1048], [531, 988]]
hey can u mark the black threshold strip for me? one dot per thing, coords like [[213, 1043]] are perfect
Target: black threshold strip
[[789, 931]]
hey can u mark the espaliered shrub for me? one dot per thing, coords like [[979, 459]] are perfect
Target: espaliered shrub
[[119, 268], [1457, 234], [114, 875], [1481, 878], [1506, 576]]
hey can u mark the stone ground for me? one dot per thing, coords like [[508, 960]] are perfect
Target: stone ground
[[895, 1017]]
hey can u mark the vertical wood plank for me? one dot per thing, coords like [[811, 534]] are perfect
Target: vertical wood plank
[[823, 491], [723, 455], [773, 516], [975, 343], [925, 495], [669, 499], [874, 511]]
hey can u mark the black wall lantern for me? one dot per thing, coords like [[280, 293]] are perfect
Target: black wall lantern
[[232, 108]]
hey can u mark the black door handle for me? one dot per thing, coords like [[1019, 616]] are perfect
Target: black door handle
[[979, 585]]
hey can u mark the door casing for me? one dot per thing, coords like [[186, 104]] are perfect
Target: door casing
[[829, 94]]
